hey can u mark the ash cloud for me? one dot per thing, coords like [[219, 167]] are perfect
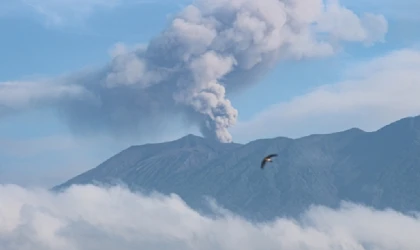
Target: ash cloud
[[97, 218], [209, 48]]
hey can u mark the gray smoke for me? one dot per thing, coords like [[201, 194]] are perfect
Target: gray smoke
[[210, 47]]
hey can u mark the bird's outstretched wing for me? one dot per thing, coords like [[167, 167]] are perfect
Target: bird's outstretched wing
[[271, 155], [263, 163]]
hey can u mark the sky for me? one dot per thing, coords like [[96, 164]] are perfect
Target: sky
[[83, 80]]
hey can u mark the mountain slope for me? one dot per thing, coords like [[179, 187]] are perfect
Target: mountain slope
[[165, 161], [380, 168]]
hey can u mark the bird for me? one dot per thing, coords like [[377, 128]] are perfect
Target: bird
[[267, 159]]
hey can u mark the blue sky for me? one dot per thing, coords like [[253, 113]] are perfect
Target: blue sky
[[355, 86]]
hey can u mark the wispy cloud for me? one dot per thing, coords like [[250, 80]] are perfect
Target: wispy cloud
[[374, 93], [93, 218], [58, 13], [404, 10]]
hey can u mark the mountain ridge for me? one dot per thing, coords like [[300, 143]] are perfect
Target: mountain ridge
[[378, 168]]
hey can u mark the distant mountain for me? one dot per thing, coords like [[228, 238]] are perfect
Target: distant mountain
[[380, 168]]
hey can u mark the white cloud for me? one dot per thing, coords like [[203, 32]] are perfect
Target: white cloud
[[93, 218], [346, 25], [375, 93], [15, 96]]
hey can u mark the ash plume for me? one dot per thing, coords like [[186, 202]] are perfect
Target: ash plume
[[209, 48]]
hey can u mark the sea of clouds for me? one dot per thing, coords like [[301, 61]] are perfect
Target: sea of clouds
[[90, 217]]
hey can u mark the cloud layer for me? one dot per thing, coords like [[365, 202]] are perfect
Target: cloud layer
[[94, 218], [376, 92], [211, 47]]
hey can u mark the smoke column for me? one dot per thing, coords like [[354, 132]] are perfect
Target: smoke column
[[210, 47]]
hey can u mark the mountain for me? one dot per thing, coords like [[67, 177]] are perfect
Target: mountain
[[380, 169]]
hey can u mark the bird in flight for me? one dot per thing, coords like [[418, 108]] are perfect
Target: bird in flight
[[267, 159]]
